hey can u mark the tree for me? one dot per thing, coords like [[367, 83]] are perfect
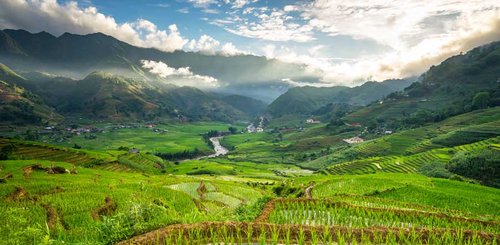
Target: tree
[[481, 100], [233, 130], [483, 165]]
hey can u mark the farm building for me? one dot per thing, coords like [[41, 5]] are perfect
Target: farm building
[[312, 121], [354, 140]]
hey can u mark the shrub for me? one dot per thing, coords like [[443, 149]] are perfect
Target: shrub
[[137, 219], [483, 166], [435, 170]]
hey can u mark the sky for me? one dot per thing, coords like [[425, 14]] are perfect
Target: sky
[[345, 41]]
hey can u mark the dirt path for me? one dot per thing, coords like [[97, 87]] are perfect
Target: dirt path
[[308, 191]]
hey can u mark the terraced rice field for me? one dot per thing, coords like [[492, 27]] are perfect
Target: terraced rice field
[[38, 152], [208, 194], [332, 213], [404, 164]]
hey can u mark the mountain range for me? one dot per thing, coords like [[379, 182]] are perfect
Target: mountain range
[[305, 100], [76, 56], [46, 78]]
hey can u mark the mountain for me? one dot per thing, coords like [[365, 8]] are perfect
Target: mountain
[[306, 100], [450, 88], [18, 105], [245, 104], [78, 55], [102, 95]]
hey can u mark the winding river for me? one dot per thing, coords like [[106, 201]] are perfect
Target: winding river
[[218, 148]]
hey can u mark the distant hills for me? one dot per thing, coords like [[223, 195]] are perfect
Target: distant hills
[[76, 56], [447, 89], [46, 78], [32, 97], [18, 105], [305, 100]]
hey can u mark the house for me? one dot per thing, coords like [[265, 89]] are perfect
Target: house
[[150, 125], [312, 121], [354, 140], [355, 124], [388, 132], [251, 129], [259, 130], [134, 151]]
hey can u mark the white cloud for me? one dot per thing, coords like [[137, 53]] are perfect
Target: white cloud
[[205, 5], [50, 16], [290, 8], [182, 76], [210, 46], [237, 4], [183, 10], [229, 49], [206, 44], [394, 23], [420, 33], [274, 26], [202, 3]]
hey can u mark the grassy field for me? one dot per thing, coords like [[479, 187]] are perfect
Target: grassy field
[[368, 193], [170, 138], [99, 206]]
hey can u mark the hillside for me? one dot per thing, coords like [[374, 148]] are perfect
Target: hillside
[[102, 95], [18, 105], [245, 104], [444, 90], [305, 100], [78, 55]]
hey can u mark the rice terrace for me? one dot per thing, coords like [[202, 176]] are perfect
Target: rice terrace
[[249, 122]]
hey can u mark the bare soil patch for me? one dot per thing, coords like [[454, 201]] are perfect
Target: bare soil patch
[[107, 209]]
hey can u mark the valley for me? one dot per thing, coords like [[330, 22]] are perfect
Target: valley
[[100, 150]]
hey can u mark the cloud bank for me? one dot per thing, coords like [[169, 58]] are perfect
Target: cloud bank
[[182, 76], [57, 18]]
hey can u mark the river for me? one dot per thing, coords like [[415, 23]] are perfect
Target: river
[[218, 148]]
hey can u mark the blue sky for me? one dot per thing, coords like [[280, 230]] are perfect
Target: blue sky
[[345, 41]]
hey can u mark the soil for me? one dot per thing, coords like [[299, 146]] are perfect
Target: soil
[[107, 209], [201, 190], [19, 194], [308, 191]]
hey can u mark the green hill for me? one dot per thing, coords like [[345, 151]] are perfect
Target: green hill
[[444, 90], [245, 104], [102, 95], [305, 100], [18, 105], [78, 55]]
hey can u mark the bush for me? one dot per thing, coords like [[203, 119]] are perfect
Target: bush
[[483, 165], [435, 170], [246, 213], [202, 172], [137, 219], [481, 100]]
